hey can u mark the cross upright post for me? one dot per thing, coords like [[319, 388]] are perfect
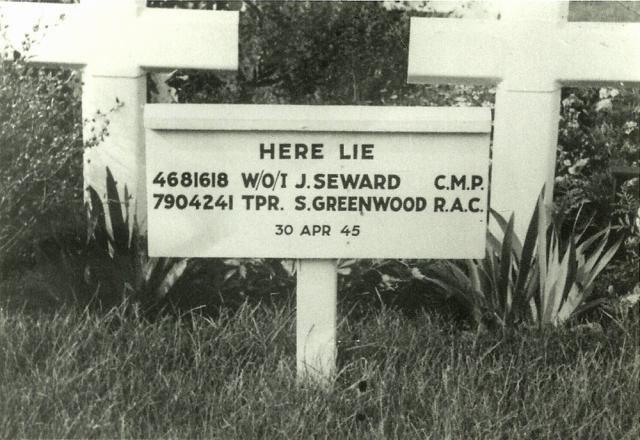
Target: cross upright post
[[526, 114], [116, 42], [531, 52]]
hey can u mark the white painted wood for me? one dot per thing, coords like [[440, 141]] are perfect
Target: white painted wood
[[217, 143], [114, 40], [328, 118], [316, 290], [530, 52], [209, 39], [526, 125], [123, 150], [599, 54], [472, 54], [118, 37]]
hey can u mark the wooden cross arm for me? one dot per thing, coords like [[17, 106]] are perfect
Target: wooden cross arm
[[189, 39], [116, 39], [599, 53], [454, 50], [532, 55]]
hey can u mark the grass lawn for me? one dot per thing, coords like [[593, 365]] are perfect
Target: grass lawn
[[74, 374]]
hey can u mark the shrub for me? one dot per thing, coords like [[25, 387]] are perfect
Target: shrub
[[599, 128], [627, 214], [544, 280], [40, 154], [111, 266], [117, 263], [377, 284]]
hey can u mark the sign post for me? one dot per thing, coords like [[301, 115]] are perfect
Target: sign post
[[316, 183], [530, 53], [316, 309]]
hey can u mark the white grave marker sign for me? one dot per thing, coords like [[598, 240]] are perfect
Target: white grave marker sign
[[316, 182], [531, 52]]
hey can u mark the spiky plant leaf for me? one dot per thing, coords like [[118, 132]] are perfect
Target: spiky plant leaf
[[505, 269], [493, 267], [474, 275], [542, 255], [493, 243], [127, 213], [575, 297], [119, 227], [555, 280], [504, 224], [588, 276], [585, 245], [175, 270], [532, 289], [571, 268], [97, 222], [528, 250]]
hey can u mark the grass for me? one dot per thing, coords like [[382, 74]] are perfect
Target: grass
[[78, 374]]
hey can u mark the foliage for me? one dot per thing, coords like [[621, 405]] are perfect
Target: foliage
[[111, 266], [539, 280], [379, 284], [598, 128], [322, 53], [40, 154], [118, 265], [627, 212], [211, 284]]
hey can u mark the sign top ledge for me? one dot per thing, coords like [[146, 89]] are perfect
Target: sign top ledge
[[310, 118]]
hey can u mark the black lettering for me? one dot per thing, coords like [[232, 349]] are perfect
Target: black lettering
[[365, 182], [457, 206], [331, 204], [316, 151], [250, 180], [270, 150], [458, 182], [319, 179], [349, 181], [408, 204], [301, 204], [381, 203], [332, 181], [285, 151], [301, 151], [394, 181], [476, 181], [473, 205], [367, 151]]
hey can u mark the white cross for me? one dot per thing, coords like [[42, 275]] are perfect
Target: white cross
[[531, 52], [116, 41]]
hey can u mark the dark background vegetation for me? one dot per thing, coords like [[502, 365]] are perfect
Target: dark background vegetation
[[290, 53]]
